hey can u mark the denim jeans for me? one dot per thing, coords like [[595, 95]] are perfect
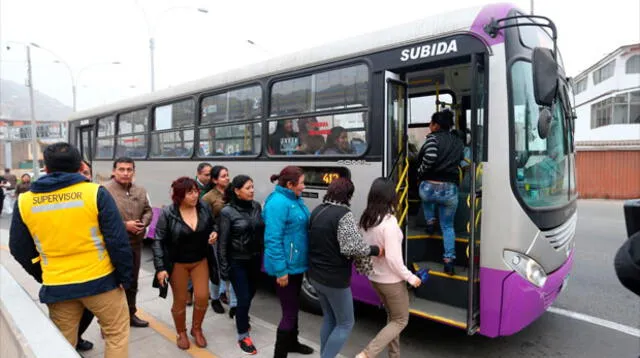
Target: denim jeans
[[444, 196], [244, 276], [225, 286], [337, 318]]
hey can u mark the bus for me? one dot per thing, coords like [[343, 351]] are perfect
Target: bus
[[500, 72]]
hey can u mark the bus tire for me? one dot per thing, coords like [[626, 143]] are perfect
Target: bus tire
[[308, 297]]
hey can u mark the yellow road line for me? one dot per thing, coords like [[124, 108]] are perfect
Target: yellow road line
[[170, 335]]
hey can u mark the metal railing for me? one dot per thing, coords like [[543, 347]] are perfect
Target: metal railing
[[53, 130]]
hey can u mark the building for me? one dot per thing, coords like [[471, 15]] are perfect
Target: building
[[607, 133]]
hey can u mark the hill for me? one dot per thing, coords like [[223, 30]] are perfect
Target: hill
[[14, 104]]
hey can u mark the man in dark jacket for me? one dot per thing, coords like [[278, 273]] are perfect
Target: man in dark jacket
[[438, 176], [133, 203], [67, 233]]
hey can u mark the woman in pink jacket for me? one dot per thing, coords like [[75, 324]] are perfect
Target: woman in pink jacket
[[380, 227]]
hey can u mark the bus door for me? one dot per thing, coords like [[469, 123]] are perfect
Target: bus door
[[84, 142], [396, 166], [474, 200]]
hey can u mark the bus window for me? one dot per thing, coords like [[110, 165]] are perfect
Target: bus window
[[172, 134], [339, 89], [132, 138], [541, 167], [420, 111], [234, 140], [337, 134], [235, 105], [105, 137]]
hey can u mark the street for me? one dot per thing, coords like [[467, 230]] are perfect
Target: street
[[593, 290]]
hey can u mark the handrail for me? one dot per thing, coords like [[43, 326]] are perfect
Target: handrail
[[401, 212]]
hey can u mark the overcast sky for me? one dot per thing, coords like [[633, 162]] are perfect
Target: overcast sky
[[88, 34]]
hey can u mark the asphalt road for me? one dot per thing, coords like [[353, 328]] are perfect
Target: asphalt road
[[593, 290]]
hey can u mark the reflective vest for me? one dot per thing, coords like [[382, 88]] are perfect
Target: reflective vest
[[65, 230]]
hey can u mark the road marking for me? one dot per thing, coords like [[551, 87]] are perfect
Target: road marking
[[597, 321], [170, 335]]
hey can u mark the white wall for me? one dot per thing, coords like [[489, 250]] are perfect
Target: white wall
[[620, 82]]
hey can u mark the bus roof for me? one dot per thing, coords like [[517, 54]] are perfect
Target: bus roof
[[423, 29]]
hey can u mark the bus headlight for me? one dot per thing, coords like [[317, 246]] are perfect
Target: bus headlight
[[526, 267]]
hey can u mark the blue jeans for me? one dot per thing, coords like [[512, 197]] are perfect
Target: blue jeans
[[216, 290], [244, 276], [445, 197], [337, 321]]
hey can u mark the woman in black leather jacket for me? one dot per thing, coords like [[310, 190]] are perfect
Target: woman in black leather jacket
[[184, 234], [239, 249]]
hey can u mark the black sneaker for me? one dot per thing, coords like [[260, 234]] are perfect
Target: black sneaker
[[247, 346], [84, 345], [232, 312], [217, 306]]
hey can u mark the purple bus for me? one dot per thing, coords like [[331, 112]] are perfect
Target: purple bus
[[498, 69]]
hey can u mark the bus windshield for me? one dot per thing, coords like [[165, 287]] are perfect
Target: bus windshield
[[542, 171]]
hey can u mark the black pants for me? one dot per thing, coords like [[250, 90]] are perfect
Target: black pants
[[132, 291], [85, 321], [244, 275]]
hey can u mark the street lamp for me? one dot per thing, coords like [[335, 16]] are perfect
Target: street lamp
[[75, 79], [150, 31], [34, 127]]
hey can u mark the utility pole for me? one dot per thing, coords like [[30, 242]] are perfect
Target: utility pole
[[152, 48], [531, 7], [34, 127]]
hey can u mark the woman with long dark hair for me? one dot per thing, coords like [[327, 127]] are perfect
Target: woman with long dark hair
[[337, 142], [380, 227], [239, 249], [184, 233], [334, 242], [215, 199], [286, 219]]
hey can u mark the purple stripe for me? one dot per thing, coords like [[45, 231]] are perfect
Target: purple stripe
[[508, 302], [495, 11]]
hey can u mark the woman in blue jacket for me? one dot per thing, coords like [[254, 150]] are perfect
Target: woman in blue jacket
[[286, 219]]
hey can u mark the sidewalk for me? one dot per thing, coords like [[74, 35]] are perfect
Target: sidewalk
[[158, 340]]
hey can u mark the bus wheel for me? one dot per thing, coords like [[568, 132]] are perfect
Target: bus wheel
[[309, 297]]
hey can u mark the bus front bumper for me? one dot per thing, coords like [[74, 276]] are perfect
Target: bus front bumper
[[521, 303]]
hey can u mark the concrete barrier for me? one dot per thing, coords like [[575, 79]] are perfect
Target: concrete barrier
[[25, 331]]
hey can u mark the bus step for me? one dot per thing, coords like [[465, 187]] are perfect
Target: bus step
[[432, 250], [434, 237], [441, 287], [437, 311]]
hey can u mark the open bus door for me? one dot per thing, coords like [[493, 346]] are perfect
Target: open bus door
[[474, 201], [396, 165], [84, 142]]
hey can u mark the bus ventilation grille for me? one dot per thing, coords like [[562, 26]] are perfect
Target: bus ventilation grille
[[561, 236]]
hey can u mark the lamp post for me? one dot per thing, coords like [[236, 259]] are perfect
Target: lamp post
[[75, 79], [152, 45], [34, 126]]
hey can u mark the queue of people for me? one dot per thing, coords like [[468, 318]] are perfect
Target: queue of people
[[214, 235]]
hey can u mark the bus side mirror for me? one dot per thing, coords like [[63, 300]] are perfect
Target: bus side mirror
[[545, 76], [544, 122]]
